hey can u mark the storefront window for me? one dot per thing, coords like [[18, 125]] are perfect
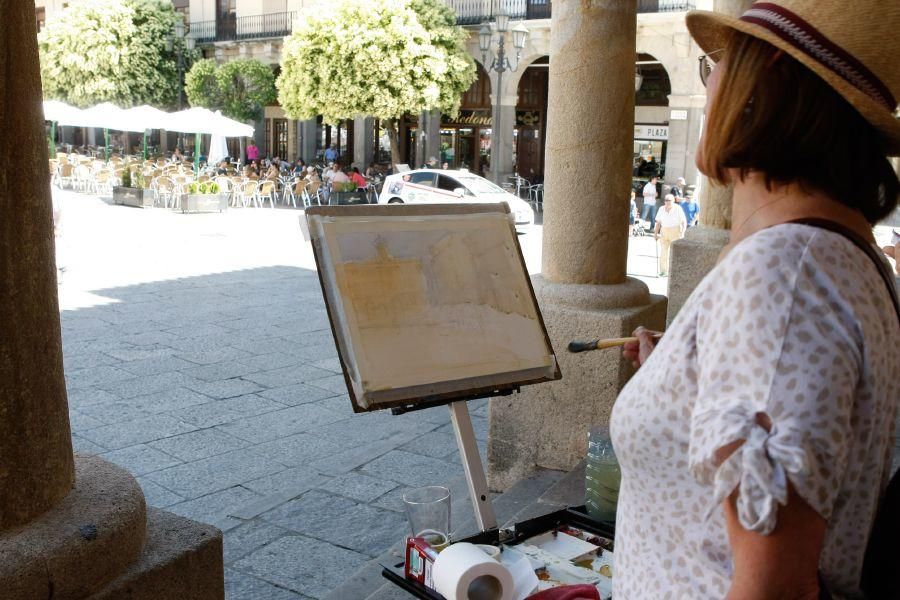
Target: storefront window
[[448, 147], [280, 138], [484, 149], [648, 158]]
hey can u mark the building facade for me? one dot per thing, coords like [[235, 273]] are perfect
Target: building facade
[[669, 100], [668, 116]]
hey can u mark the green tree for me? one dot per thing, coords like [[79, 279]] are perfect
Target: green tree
[[239, 88], [379, 58], [111, 51], [201, 87]]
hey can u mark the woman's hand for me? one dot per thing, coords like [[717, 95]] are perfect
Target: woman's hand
[[638, 352]]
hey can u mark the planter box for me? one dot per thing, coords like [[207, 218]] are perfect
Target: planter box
[[129, 196], [342, 198], [203, 202]]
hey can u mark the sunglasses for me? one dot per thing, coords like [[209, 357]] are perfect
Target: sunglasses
[[707, 64]]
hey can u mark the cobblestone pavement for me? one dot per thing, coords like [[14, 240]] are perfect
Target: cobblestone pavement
[[198, 356]]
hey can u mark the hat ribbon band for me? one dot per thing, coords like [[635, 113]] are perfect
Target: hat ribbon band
[[796, 31]]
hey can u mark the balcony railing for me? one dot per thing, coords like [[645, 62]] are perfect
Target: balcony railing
[[473, 12], [468, 12], [252, 27]]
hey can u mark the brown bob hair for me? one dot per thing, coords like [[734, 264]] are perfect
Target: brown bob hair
[[775, 116]]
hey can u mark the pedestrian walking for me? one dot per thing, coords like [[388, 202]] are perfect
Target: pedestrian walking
[[670, 226], [691, 210], [650, 193]]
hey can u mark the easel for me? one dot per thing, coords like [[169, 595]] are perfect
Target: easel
[[476, 479]]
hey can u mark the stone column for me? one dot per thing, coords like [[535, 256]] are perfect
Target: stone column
[[363, 134], [583, 291], [37, 469], [259, 136], [503, 123], [69, 527], [308, 140], [695, 256]]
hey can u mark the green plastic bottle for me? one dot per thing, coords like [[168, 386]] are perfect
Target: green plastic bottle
[[602, 476]]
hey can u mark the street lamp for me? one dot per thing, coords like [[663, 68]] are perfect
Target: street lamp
[[500, 63], [182, 44]]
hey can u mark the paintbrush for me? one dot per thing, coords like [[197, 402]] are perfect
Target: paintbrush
[[605, 343]]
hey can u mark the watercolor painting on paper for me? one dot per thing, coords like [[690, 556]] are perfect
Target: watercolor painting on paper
[[425, 304]]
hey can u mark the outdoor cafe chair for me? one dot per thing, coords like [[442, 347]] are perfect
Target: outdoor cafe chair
[[266, 191], [225, 187], [65, 175], [247, 193], [82, 178], [293, 191], [313, 190], [536, 196], [102, 182], [166, 191]]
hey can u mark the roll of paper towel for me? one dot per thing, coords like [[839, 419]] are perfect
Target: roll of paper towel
[[464, 572]]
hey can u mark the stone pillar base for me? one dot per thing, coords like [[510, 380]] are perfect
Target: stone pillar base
[[546, 425], [81, 543], [92, 545], [692, 258], [181, 560]]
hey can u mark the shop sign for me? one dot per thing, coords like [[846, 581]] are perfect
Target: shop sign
[[469, 117], [651, 132], [528, 118]]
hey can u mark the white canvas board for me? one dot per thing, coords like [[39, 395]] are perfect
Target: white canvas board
[[430, 304]]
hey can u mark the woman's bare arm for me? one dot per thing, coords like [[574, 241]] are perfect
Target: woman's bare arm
[[782, 565]]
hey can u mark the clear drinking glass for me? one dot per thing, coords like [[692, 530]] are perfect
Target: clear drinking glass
[[428, 511]]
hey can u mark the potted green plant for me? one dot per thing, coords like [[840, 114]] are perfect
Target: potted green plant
[[133, 191], [202, 196], [345, 192]]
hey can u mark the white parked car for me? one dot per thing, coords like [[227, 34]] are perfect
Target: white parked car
[[444, 186]]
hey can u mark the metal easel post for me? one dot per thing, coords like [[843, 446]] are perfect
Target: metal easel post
[[471, 460]]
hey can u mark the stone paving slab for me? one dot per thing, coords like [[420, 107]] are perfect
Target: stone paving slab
[[199, 444], [340, 521], [302, 564], [240, 586], [208, 475]]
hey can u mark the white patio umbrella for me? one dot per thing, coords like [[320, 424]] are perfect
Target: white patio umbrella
[[202, 120], [218, 150], [142, 118], [104, 116], [61, 113]]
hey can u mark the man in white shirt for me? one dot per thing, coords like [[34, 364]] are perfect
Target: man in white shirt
[[670, 223], [338, 176], [328, 173], [648, 212]]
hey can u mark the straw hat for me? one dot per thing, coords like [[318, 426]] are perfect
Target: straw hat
[[851, 45]]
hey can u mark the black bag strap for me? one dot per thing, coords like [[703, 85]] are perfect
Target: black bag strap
[[882, 561]]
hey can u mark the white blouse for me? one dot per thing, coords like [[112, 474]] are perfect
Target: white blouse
[[795, 323]]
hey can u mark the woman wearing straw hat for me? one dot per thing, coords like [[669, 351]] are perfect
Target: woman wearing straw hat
[[755, 440]]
